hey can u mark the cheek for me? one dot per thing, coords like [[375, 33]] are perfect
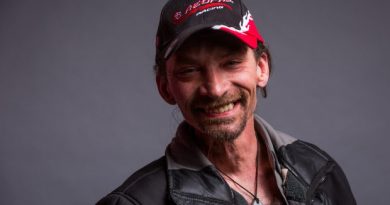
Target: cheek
[[181, 92], [247, 81]]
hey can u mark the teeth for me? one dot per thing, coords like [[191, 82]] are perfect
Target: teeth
[[221, 109]]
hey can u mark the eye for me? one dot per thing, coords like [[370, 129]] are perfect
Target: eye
[[232, 63], [186, 71]]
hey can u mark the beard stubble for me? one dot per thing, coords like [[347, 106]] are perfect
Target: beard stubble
[[216, 128]]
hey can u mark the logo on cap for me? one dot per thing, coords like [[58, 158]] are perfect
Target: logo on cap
[[244, 25], [200, 7]]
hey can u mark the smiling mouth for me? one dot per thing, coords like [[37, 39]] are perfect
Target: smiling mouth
[[218, 109]]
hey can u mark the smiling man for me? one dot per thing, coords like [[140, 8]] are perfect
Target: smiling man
[[211, 62]]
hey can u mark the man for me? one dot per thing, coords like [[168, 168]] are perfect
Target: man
[[211, 62]]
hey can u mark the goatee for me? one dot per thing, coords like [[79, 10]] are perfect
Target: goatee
[[216, 128]]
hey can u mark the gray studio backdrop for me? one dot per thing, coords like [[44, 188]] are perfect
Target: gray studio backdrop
[[79, 109]]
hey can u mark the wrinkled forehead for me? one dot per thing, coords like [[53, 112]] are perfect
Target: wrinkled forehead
[[212, 40]]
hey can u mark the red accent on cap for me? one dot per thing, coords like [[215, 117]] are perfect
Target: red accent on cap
[[249, 37]]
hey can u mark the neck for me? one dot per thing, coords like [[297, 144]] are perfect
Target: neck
[[237, 160]]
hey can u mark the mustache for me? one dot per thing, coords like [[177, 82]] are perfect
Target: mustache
[[200, 102]]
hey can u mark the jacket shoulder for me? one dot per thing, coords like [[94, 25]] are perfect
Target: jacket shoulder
[[304, 158], [316, 175], [148, 185]]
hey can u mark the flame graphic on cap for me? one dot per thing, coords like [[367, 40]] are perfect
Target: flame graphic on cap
[[244, 24]]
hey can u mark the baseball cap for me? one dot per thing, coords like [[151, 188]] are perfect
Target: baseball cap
[[181, 18]]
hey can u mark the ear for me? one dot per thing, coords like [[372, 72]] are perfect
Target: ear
[[262, 70], [163, 89]]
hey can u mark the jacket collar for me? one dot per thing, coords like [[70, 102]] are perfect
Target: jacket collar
[[193, 179]]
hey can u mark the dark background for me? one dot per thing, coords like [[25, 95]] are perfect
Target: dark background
[[79, 109]]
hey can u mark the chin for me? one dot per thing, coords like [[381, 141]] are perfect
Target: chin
[[224, 131]]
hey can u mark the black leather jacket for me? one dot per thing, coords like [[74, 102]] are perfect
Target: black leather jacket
[[185, 176]]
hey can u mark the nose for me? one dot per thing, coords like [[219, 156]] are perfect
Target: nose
[[214, 83]]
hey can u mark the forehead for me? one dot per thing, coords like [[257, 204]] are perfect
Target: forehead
[[212, 40]]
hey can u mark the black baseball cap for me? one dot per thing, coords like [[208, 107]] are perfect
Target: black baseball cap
[[181, 18]]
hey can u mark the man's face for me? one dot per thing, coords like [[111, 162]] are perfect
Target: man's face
[[213, 79]]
